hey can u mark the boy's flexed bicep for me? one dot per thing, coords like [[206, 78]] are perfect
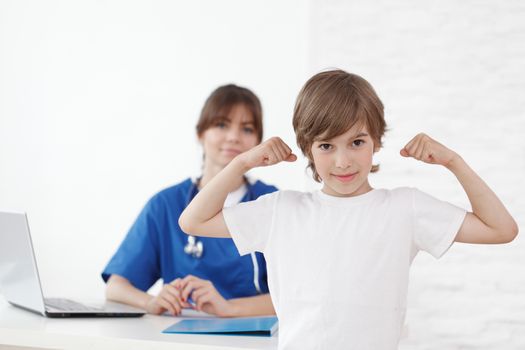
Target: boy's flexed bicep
[[214, 227], [204, 216], [474, 230]]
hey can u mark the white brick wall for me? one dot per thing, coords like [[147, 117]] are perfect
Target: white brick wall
[[457, 71]]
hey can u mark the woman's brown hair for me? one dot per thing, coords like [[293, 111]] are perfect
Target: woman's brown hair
[[331, 103]]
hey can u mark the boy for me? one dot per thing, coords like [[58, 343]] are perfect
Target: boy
[[338, 259]]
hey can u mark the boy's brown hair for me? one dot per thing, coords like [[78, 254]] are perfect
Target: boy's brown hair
[[332, 102], [222, 100]]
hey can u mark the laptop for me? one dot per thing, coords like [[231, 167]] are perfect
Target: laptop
[[20, 282]]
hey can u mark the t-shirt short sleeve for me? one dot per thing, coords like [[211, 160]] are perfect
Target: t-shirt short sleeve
[[250, 223], [436, 223]]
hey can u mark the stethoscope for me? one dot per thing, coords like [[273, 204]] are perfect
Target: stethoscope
[[194, 247]]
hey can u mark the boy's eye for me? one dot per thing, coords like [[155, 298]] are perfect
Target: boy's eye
[[220, 125], [358, 143], [248, 130], [325, 146]]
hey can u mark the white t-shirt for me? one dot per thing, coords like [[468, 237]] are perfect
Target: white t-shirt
[[338, 267]]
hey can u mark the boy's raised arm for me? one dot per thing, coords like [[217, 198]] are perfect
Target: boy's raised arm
[[203, 216], [489, 221]]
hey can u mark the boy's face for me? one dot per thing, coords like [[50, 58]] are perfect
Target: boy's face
[[343, 163]]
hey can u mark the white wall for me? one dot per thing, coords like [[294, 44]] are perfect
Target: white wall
[[456, 70], [98, 105]]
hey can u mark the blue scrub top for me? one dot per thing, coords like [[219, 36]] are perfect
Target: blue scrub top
[[154, 248]]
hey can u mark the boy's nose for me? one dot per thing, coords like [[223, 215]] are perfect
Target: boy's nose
[[342, 160]]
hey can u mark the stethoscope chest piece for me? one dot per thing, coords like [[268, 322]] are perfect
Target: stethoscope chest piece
[[194, 248]]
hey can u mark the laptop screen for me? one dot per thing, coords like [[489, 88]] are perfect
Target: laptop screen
[[19, 280]]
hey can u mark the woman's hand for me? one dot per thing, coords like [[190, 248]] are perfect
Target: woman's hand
[[270, 152], [204, 295], [168, 299], [422, 147]]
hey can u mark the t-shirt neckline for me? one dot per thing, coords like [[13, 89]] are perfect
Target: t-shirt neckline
[[326, 198]]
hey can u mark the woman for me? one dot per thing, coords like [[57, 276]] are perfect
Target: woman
[[210, 270]]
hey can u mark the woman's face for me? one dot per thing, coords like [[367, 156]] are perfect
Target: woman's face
[[230, 135]]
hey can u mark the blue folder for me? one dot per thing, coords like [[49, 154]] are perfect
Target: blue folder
[[256, 326]]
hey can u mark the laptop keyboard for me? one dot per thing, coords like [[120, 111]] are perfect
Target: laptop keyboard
[[68, 305]]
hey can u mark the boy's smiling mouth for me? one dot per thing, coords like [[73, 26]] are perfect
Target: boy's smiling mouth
[[345, 177]]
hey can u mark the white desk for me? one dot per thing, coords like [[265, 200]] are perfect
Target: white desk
[[22, 328]]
